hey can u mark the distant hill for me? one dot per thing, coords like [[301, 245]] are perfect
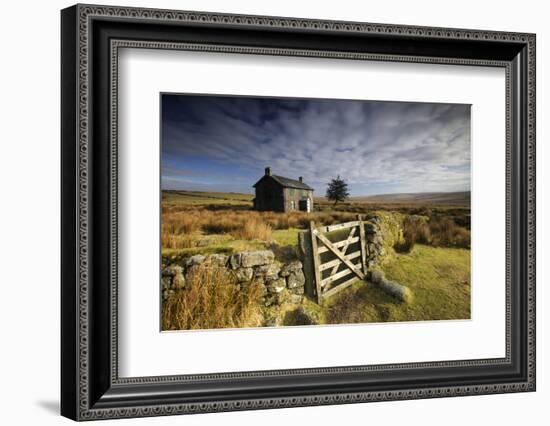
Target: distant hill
[[205, 197], [445, 198]]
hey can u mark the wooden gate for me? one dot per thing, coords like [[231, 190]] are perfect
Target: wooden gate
[[339, 256]]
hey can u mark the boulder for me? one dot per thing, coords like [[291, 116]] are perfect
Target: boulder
[[166, 294], [375, 238], [256, 258], [166, 282], [269, 272], [296, 279], [235, 261], [297, 290], [270, 300], [195, 260], [376, 276], [217, 259], [276, 286], [263, 288], [396, 290], [371, 228], [172, 270], [373, 218], [244, 274], [296, 298], [178, 281], [288, 268]]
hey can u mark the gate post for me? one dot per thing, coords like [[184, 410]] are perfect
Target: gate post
[[363, 244], [306, 256], [316, 263]]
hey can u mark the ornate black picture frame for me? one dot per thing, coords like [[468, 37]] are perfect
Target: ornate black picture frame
[[91, 36]]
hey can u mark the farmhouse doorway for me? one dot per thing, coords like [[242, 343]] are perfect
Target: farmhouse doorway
[[305, 205]]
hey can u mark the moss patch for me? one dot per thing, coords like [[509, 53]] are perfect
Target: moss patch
[[286, 237]]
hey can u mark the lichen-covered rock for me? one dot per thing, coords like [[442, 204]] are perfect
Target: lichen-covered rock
[[244, 274], [297, 290], [269, 271], [270, 300], [178, 281], [172, 277], [376, 276], [195, 260], [288, 268], [262, 286], [296, 279], [217, 259], [391, 230], [371, 228], [166, 294], [375, 238], [166, 282], [276, 286], [172, 270], [396, 290], [235, 261], [256, 258], [374, 218], [296, 298], [372, 263]]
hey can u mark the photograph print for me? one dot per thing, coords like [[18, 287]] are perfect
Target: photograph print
[[279, 212]]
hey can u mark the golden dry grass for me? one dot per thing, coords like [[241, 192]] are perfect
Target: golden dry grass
[[246, 224], [175, 241], [212, 299], [189, 225], [437, 232], [254, 229]]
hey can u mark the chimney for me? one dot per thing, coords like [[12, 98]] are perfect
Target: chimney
[[300, 179], [268, 171]]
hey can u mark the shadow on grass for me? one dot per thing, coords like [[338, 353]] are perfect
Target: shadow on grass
[[363, 302]]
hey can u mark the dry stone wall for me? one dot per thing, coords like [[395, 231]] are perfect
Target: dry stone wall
[[282, 282], [382, 232]]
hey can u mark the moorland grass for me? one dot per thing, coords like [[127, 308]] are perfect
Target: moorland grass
[[439, 279], [431, 265], [212, 299]]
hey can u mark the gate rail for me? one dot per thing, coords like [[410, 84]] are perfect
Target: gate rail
[[331, 260]]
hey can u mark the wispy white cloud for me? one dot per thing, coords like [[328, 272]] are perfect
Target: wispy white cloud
[[376, 146]]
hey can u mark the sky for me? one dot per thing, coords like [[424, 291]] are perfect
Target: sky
[[224, 143]]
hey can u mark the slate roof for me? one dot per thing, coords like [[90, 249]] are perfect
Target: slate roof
[[288, 183]]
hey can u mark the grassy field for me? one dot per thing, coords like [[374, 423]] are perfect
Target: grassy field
[[439, 279], [211, 222], [433, 260], [206, 198], [426, 198]]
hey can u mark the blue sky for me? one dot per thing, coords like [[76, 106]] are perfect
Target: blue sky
[[223, 143]]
